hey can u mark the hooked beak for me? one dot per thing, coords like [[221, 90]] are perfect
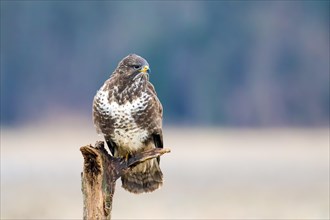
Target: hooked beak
[[145, 69]]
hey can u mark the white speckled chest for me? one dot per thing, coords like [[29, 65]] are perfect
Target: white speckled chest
[[126, 132]]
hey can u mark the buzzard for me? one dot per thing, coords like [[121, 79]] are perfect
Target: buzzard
[[128, 113]]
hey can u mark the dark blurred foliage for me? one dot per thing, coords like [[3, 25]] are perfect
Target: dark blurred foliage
[[228, 63]]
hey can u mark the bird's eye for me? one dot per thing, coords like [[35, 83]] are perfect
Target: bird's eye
[[136, 67]]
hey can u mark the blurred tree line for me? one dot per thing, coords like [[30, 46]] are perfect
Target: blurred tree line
[[229, 63]]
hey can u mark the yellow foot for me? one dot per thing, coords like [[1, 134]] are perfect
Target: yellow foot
[[126, 157]]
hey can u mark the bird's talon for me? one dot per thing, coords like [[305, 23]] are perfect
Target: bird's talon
[[126, 157]]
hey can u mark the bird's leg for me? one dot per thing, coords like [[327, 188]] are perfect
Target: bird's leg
[[127, 156]]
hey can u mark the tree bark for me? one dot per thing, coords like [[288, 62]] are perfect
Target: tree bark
[[99, 176]]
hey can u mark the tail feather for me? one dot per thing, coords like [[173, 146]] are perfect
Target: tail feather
[[145, 177]]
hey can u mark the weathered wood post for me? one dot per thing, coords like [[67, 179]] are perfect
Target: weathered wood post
[[100, 172]]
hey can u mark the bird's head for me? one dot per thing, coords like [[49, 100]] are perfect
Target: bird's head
[[133, 67]]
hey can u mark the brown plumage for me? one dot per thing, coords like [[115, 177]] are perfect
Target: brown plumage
[[128, 113]]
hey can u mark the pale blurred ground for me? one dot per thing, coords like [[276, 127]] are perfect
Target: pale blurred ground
[[211, 173]]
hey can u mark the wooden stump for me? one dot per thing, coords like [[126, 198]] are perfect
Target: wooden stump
[[99, 176]]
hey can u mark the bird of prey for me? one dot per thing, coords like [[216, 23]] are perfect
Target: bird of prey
[[128, 113]]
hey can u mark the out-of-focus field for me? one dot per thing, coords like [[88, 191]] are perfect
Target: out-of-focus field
[[210, 173]]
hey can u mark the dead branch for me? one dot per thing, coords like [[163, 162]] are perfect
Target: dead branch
[[99, 176]]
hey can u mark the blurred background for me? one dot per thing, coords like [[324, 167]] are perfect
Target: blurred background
[[245, 91]]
